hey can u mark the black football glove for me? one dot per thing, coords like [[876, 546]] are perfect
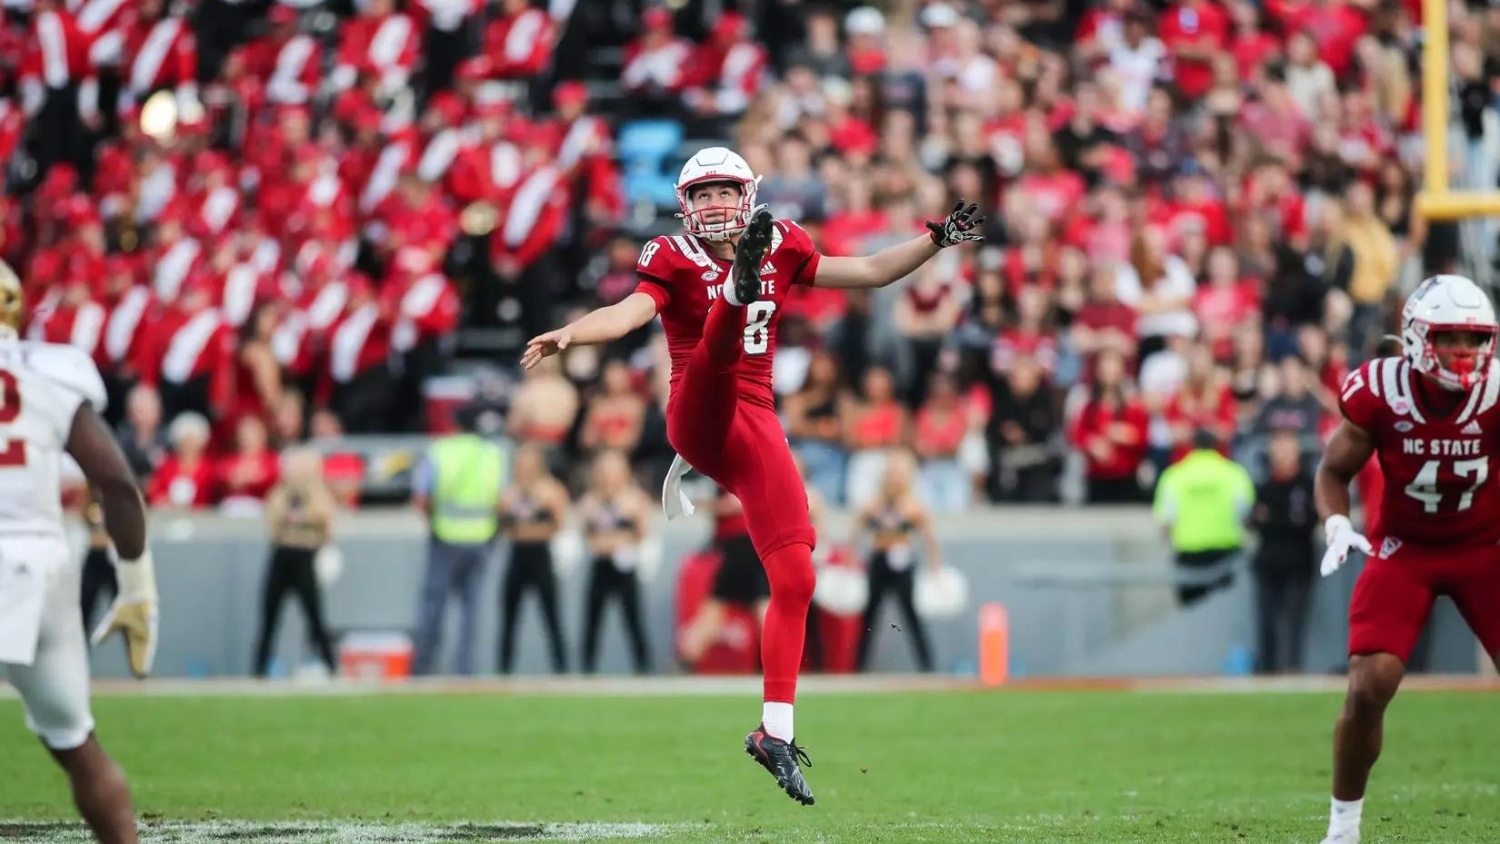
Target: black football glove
[[958, 227]]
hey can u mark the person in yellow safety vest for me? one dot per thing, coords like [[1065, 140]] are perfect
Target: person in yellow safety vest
[[1203, 500], [457, 486]]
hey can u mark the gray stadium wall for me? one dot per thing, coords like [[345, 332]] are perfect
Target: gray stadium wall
[[1088, 593]]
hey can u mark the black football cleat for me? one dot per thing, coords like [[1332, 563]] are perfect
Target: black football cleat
[[748, 255], [781, 759]]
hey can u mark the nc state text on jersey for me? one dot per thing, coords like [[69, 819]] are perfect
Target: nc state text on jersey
[[767, 288], [1442, 448]]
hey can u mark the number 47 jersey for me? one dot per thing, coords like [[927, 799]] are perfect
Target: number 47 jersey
[[1440, 485], [684, 279]]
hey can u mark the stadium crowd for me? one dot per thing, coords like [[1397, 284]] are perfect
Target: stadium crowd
[[270, 221]]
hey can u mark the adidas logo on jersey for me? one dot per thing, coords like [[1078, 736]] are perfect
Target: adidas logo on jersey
[[1472, 429]]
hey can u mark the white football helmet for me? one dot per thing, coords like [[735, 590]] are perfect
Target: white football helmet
[[716, 164], [1448, 303]]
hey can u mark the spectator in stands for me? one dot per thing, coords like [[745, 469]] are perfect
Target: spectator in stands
[[1295, 289], [1103, 323], [195, 350], [727, 72], [1226, 303], [59, 89], [545, 406], [1110, 430], [300, 513], [925, 317], [794, 190], [1375, 263], [1030, 336], [344, 470], [1160, 288], [1294, 406], [1202, 403], [1286, 560], [616, 514], [257, 374], [289, 420], [141, 436], [874, 423], [247, 474], [357, 384], [894, 519], [161, 55], [185, 480], [612, 420], [1022, 425], [425, 308], [942, 426], [655, 62]]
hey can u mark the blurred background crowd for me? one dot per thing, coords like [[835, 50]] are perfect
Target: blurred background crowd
[[275, 221]]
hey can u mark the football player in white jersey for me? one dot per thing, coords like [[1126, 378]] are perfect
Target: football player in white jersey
[[50, 396]]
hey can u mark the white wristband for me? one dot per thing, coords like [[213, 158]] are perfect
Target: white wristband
[[137, 578], [1336, 524]]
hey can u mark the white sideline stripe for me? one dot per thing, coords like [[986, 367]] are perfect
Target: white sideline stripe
[[341, 832], [690, 686]]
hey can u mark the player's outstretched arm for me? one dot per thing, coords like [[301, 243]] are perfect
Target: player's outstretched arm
[[894, 263], [1346, 454], [97, 453], [133, 613], [1348, 450], [600, 325]]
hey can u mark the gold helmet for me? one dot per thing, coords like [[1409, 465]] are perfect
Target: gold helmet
[[12, 298]]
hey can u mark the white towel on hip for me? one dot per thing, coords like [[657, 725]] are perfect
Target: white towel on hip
[[673, 500]]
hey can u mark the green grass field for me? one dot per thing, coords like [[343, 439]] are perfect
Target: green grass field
[[952, 767]]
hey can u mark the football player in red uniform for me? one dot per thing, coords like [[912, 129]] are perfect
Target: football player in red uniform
[[1430, 417], [719, 290]]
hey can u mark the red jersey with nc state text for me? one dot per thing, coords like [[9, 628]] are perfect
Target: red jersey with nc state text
[[684, 278], [1440, 469]]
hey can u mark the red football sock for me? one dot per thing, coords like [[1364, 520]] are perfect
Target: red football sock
[[790, 570]]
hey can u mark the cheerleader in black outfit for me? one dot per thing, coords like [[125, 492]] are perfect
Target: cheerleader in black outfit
[[531, 513], [893, 520], [616, 514]]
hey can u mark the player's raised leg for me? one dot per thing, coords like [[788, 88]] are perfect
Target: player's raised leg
[[698, 432], [1389, 608]]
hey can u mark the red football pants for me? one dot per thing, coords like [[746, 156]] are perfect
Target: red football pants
[[739, 444], [1394, 595]]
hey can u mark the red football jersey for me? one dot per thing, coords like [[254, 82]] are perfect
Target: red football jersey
[[1438, 471], [684, 278]]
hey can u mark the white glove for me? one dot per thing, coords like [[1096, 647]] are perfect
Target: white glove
[[1341, 537], [134, 613]]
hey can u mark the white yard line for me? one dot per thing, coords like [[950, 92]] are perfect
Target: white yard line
[[341, 832]]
